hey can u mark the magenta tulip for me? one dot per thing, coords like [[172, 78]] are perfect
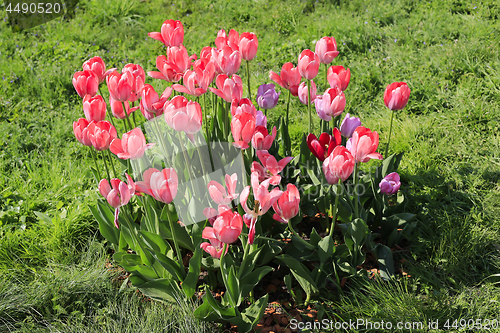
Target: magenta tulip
[[396, 95], [338, 165], [85, 83], [308, 64], [94, 108], [287, 206], [338, 76], [289, 78], [132, 145], [326, 49], [390, 184], [172, 33]]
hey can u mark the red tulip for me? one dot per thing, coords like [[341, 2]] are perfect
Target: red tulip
[[242, 128], [120, 85], [228, 59], [308, 64], [131, 146], [85, 83], [324, 146], [326, 49], [151, 105], [96, 65], [101, 134], [81, 130], [248, 45], [118, 194], [228, 88], [94, 108], [289, 78], [338, 165], [139, 78], [396, 95], [218, 192], [302, 92], [287, 206], [183, 115], [363, 145], [338, 76], [261, 139], [167, 71], [172, 33]]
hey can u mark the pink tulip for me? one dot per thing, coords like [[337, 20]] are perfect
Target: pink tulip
[[308, 64], [94, 108], [207, 67], [289, 78], [120, 85], [338, 76], [323, 146], [331, 104], [228, 88], [172, 33], [263, 201], [228, 225], [228, 59], [96, 65], [261, 139], [117, 108], [101, 134], [232, 40], [270, 168], [248, 45], [118, 194], [178, 56], [218, 192], [338, 165], [139, 78], [215, 247], [85, 83], [151, 105], [326, 49], [131, 146], [81, 130], [183, 115], [287, 206], [396, 95], [161, 185], [211, 215], [363, 145], [195, 82], [243, 105], [167, 70], [390, 184], [242, 128], [302, 92]]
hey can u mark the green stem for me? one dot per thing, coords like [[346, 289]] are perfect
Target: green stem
[[308, 298], [334, 209], [126, 115], [326, 76], [309, 104], [106, 166], [333, 124], [356, 194], [174, 238], [228, 130], [95, 161], [186, 158], [109, 113], [288, 107], [125, 124], [390, 132], [206, 118], [224, 273], [111, 161], [306, 244], [248, 80]]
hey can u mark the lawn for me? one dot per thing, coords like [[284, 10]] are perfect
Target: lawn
[[56, 272]]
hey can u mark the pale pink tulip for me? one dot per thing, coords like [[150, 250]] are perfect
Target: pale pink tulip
[[261, 139], [228, 59], [195, 82], [228, 225], [218, 192], [363, 145], [96, 65], [183, 115], [131, 146], [338, 165], [85, 83], [331, 103], [172, 33], [287, 206], [326, 49], [270, 168], [94, 108], [302, 92], [308, 64]]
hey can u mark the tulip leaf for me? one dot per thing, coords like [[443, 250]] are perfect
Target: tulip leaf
[[390, 164], [108, 230], [155, 242], [222, 312], [233, 287], [249, 262], [385, 261], [305, 153], [180, 232], [170, 265], [252, 279], [164, 290], [314, 238], [326, 248], [300, 272], [189, 284], [210, 263], [254, 313]]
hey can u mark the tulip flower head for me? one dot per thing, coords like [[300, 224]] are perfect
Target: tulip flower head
[[323, 146], [267, 97], [248, 45], [338, 165], [228, 88], [117, 108], [396, 95], [261, 119], [120, 85], [151, 105], [287, 206], [338, 76], [289, 78], [183, 115], [390, 184], [330, 104], [302, 92], [263, 200], [226, 230], [270, 168], [172, 33], [218, 192], [223, 39], [161, 185], [242, 128], [349, 124], [326, 49], [243, 105], [363, 145], [101, 134], [132, 145], [308, 64], [261, 139], [167, 70], [118, 194], [139, 78], [94, 108], [86, 83], [97, 66], [81, 130], [179, 58], [228, 59], [195, 82]]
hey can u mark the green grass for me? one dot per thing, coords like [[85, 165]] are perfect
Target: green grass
[[447, 52]]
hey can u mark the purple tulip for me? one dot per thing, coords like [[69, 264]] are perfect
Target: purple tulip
[[267, 97], [349, 124], [261, 119], [390, 184], [318, 103]]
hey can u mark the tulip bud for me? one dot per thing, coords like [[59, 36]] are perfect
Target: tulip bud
[[390, 184], [396, 95]]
